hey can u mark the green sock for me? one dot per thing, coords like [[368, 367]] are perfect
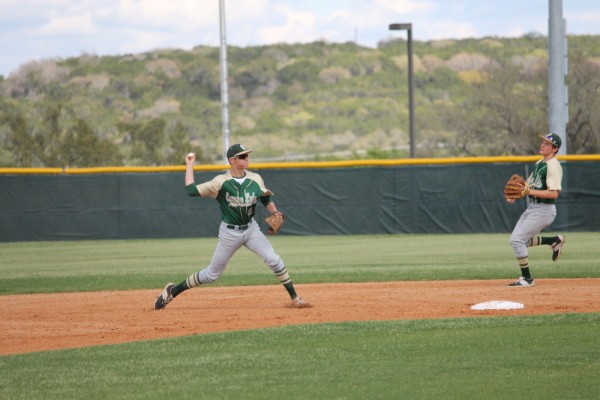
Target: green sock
[[549, 240], [179, 288], [290, 289]]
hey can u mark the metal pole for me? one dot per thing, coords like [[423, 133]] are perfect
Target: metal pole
[[557, 71], [224, 87], [558, 106], [411, 102]]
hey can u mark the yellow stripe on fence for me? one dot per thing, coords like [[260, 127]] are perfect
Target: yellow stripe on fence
[[289, 165], [31, 171]]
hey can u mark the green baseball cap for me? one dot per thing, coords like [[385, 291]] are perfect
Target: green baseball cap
[[237, 150], [553, 138]]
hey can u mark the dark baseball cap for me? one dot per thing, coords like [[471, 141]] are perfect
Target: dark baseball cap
[[553, 138], [237, 150]]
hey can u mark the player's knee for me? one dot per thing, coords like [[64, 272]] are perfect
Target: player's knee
[[208, 276], [275, 263], [516, 240], [519, 245]]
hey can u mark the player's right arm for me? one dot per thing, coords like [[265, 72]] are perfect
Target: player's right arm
[[206, 189], [190, 159], [190, 186]]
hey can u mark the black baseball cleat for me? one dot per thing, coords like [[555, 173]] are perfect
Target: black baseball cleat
[[297, 302], [165, 297], [523, 282], [557, 247]]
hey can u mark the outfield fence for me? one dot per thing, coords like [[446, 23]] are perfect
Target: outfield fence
[[449, 195]]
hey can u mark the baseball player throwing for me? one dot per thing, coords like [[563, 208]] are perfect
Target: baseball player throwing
[[237, 192], [543, 187]]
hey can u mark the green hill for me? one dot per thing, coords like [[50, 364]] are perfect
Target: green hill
[[295, 102]]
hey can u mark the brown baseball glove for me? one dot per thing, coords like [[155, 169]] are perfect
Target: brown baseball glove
[[274, 221], [516, 188]]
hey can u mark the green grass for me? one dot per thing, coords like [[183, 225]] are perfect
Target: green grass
[[47, 267], [548, 357], [534, 357]]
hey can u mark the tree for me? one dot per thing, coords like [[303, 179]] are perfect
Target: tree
[[83, 148], [303, 71], [181, 145], [49, 137], [504, 114], [54, 146], [20, 140], [203, 74], [255, 74], [146, 141], [584, 102]]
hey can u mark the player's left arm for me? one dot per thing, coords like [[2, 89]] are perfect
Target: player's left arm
[[269, 204], [265, 196], [545, 194], [271, 208]]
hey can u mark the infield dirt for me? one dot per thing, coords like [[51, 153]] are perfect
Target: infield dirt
[[39, 322]]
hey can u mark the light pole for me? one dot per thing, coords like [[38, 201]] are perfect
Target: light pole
[[224, 87], [558, 92], [411, 103]]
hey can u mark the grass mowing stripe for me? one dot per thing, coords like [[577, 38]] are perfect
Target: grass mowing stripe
[[33, 267], [553, 357]]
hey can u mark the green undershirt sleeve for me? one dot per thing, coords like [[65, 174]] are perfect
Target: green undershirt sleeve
[[192, 190], [265, 200]]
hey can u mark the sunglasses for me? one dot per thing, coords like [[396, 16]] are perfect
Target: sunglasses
[[242, 157]]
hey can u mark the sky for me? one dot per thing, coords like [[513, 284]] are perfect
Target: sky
[[34, 30]]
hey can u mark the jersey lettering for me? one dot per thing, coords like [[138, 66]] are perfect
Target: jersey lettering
[[248, 200]]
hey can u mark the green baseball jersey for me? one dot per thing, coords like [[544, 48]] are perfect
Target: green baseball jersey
[[546, 176], [236, 200]]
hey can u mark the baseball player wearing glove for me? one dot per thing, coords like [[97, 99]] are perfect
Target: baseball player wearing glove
[[237, 192], [543, 188]]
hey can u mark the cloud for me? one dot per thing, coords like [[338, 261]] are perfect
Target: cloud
[[403, 7], [81, 24], [158, 14], [582, 21], [139, 40], [450, 29], [242, 11], [292, 26], [59, 28]]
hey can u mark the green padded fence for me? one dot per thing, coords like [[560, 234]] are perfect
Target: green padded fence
[[462, 196]]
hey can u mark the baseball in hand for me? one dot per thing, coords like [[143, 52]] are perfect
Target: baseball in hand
[[190, 156]]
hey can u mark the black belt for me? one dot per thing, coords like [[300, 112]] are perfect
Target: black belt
[[539, 200], [238, 227]]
